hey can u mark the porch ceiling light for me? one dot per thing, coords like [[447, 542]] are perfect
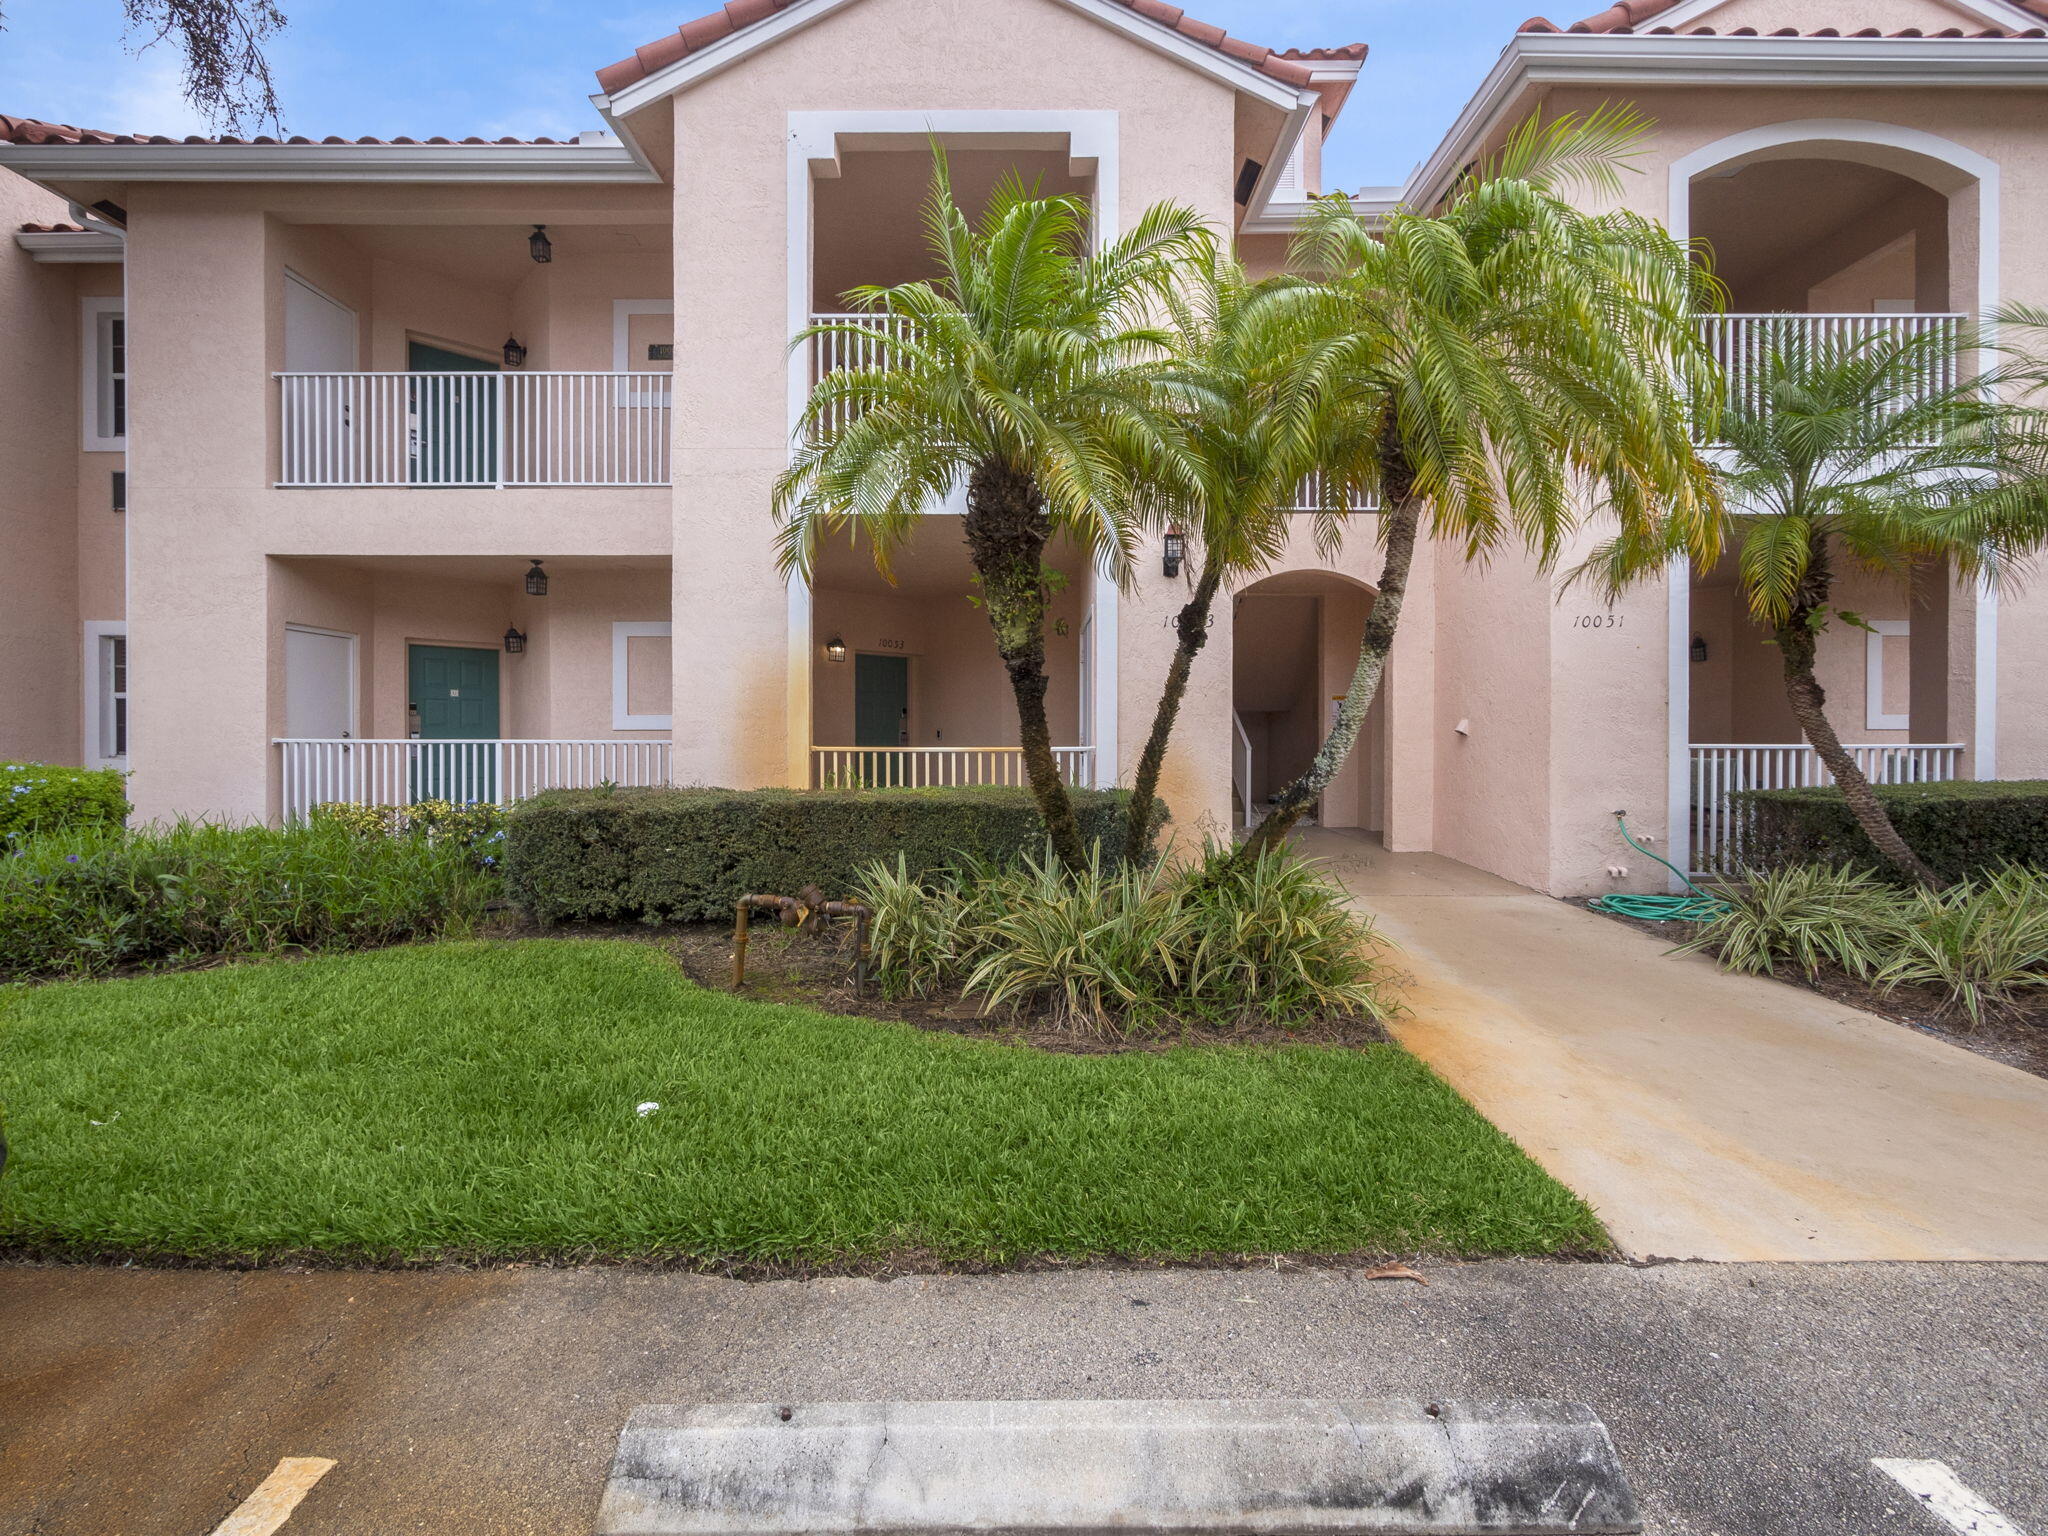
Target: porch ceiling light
[[537, 581], [515, 354], [515, 642], [540, 245], [835, 649], [1176, 551]]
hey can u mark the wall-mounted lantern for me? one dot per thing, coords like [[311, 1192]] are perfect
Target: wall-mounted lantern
[[835, 649], [537, 581], [515, 354], [539, 245], [1176, 551], [1699, 648], [515, 642]]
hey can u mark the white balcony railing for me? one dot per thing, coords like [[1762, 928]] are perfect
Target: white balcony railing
[[377, 771], [1721, 771], [938, 767], [474, 429], [1741, 343]]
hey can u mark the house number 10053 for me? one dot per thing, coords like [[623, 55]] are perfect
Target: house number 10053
[[1597, 621]]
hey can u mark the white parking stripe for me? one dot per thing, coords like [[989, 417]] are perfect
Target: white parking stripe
[[275, 1497], [1942, 1494]]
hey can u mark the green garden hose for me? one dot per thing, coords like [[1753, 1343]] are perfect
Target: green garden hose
[[1699, 907]]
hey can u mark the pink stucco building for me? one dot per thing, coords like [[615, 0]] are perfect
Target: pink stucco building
[[298, 427]]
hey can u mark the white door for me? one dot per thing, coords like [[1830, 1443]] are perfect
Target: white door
[[319, 334], [319, 683]]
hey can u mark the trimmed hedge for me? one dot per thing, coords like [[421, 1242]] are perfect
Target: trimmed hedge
[[686, 855], [1961, 829], [41, 798]]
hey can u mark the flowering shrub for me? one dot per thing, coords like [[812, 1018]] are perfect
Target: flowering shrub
[[39, 797]]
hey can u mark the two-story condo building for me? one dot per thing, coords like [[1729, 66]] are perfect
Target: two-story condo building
[[367, 470]]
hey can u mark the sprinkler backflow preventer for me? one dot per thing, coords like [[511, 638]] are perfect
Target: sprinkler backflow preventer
[[808, 910]]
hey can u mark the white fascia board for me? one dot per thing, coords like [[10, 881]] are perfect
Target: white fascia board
[[729, 50], [72, 247], [325, 162], [1623, 59], [1993, 13], [1260, 204]]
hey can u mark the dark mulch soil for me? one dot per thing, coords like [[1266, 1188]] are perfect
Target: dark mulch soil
[[2017, 1037], [817, 971]]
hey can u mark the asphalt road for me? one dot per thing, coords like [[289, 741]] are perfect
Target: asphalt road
[[1747, 1400]]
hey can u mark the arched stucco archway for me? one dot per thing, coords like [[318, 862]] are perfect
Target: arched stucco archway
[[1294, 644]]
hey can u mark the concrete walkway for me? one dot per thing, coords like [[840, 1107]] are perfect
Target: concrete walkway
[[1704, 1115]]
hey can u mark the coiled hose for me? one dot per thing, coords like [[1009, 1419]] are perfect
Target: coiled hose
[[1699, 907]]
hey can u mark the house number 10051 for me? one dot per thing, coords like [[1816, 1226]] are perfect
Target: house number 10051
[[1597, 621]]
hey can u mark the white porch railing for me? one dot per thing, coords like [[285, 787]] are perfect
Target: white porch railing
[[474, 429], [1309, 498], [856, 351], [1740, 343], [1241, 766], [1720, 771], [376, 771], [938, 767]]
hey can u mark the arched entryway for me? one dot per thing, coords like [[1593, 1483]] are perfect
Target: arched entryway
[[1294, 644]]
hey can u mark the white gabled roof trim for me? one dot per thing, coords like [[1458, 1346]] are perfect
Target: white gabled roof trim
[[1993, 13], [325, 162], [71, 247], [1624, 59]]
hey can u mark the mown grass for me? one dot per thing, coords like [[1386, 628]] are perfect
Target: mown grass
[[479, 1099]]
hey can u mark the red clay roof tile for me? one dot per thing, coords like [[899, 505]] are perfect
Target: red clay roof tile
[[1290, 66], [32, 130]]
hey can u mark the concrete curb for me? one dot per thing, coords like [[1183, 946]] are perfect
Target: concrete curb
[[1075, 1468]]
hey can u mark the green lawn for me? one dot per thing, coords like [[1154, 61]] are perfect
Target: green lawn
[[479, 1098]]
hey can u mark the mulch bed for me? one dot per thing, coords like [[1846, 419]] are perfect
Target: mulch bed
[[2018, 1037], [816, 971]]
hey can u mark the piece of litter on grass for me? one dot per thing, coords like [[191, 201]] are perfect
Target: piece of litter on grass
[[1395, 1272], [644, 1110], [117, 1115]]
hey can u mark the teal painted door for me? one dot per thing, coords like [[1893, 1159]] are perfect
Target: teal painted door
[[881, 714], [454, 421], [454, 691]]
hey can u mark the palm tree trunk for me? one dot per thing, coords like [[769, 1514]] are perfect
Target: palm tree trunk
[[1294, 801], [1192, 633], [1007, 529], [1797, 644]]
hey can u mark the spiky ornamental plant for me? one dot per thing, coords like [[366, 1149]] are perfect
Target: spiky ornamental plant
[[1258, 429], [1879, 451], [1027, 370], [1523, 360]]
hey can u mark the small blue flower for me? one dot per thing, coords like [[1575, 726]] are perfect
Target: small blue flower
[[70, 858]]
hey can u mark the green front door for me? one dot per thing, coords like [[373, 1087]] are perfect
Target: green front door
[[454, 421], [881, 714], [453, 691]]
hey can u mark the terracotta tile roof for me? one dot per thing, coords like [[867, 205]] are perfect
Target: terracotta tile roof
[[1631, 16], [1291, 66], [30, 130], [53, 229]]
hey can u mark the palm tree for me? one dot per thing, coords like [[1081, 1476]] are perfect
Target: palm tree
[[1026, 370], [1256, 430], [1520, 359], [1877, 451]]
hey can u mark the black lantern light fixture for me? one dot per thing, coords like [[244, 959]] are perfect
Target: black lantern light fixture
[[538, 243], [1699, 647], [835, 649], [515, 354], [1176, 551], [515, 642], [537, 581]]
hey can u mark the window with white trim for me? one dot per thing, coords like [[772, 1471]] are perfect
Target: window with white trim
[[106, 693], [104, 348], [1888, 675], [642, 675]]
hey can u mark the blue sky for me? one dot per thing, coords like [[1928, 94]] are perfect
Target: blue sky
[[524, 67]]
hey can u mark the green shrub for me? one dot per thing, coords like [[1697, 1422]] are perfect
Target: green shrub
[[84, 903], [1980, 944], [686, 855], [479, 825], [1808, 916], [37, 797], [1131, 949], [1961, 829]]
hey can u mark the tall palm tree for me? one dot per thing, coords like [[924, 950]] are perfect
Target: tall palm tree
[[1876, 451], [1027, 371], [1520, 359], [1257, 431]]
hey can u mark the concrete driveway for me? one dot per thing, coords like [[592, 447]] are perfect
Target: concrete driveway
[[1745, 1400], [1704, 1115]]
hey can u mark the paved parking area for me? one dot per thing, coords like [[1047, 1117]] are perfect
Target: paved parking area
[[1747, 1400]]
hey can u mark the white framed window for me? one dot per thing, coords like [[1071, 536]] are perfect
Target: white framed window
[[642, 675], [1888, 675], [106, 693], [103, 347], [644, 341]]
